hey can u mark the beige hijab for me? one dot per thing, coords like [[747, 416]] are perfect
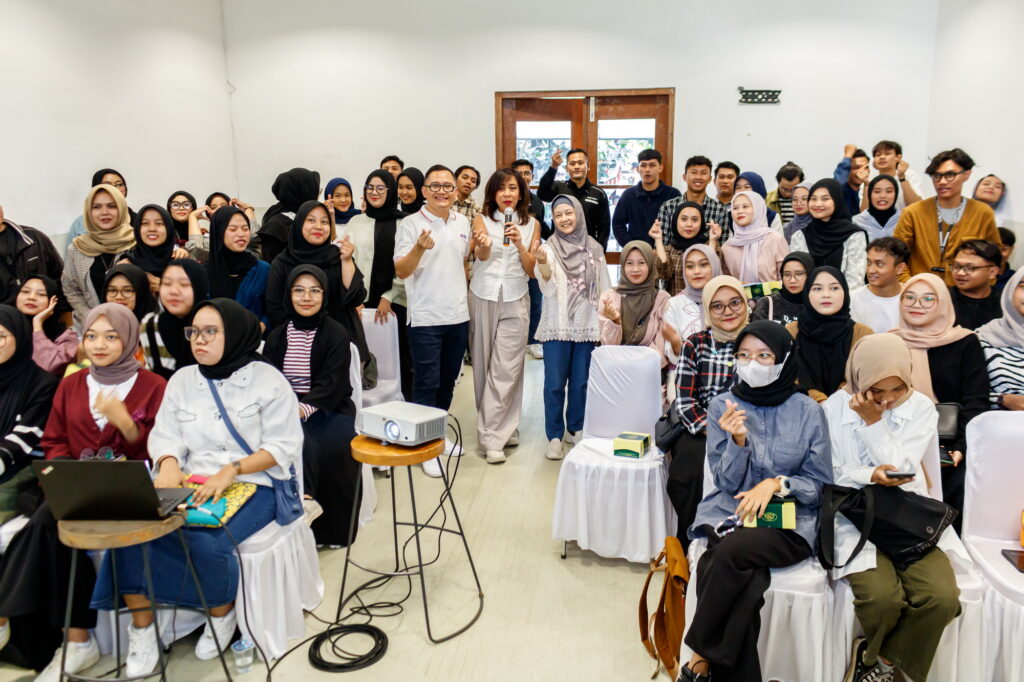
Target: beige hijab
[[877, 357], [710, 289], [942, 331], [95, 241]]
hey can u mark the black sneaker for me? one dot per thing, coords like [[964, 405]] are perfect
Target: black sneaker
[[856, 669], [687, 675], [876, 674]]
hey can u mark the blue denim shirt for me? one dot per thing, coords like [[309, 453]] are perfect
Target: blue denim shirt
[[790, 440]]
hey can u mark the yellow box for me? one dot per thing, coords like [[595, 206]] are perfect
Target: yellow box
[[633, 445]]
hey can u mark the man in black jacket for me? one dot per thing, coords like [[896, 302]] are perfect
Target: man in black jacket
[[592, 197], [24, 251]]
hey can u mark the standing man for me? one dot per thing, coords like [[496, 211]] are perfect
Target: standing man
[[888, 160], [467, 179], [24, 252], [934, 229], [726, 173], [524, 168], [591, 197], [852, 172], [392, 164], [639, 205], [780, 199], [696, 175], [974, 267]]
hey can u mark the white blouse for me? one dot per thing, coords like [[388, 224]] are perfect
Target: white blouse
[[119, 391], [502, 274]]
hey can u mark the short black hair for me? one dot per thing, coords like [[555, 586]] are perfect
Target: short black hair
[[522, 162], [577, 150], [981, 248], [790, 171], [897, 248], [392, 157], [956, 155], [727, 164], [886, 145], [1007, 236], [437, 167], [649, 155], [697, 161], [860, 153], [458, 172]]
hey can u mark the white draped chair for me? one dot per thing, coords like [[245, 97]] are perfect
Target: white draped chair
[[382, 339], [992, 523], [614, 506]]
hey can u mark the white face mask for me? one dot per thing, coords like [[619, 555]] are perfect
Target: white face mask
[[756, 375]]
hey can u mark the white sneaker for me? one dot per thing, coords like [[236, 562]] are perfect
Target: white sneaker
[[450, 448], [554, 451], [536, 350], [513, 440], [81, 656], [5, 634], [143, 651], [495, 456], [206, 648], [432, 467], [571, 439]]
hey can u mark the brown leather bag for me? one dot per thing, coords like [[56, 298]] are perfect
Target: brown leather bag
[[662, 633]]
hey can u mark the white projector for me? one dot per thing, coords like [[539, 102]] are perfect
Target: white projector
[[401, 423]]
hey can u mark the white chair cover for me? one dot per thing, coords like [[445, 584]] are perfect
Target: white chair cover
[[613, 506], [992, 509], [383, 339], [369, 502]]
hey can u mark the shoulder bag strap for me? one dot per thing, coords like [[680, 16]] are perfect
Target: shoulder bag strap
[[832, 501], [645, 620]]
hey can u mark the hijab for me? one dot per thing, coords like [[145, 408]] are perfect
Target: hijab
[[342, 217], [52, 326], [804, 259], [313, 321], [799, 222], [823, 342], [781, 342], [710, 290], [750, 237], [693, 293], [152, 259], [241, 338], [579, 255], [19, 376], [226, 267], [96, 242], [415, 176], [757, 186], [97, 177], [181, 227], [1007, 330], [678, 241], [291, 189], [826, 238], [877, 357], [172, 327], [225, 197], [882, 216], [386, 219], [637, 299], [127, 327], [144, 301], [389, 209], [325, 256], [941, 332]]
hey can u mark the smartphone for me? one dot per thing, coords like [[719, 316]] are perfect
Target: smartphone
[[899, 474], [944, 458], [1015, 557]]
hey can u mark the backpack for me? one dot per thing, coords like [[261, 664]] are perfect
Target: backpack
[[662, 633]]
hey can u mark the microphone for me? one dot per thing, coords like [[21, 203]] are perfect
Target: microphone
[[508, 219]]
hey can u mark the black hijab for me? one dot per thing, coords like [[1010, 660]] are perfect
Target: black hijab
[[213, 196], [825, 239], [242, 335], [180, 227], [152, 259], [291, 189], [678, 241], [20, 377], [386, 219], [823, 342], [226, 267], [781, 342], [804, 259], [52, 326], [297, 320], [415, 176], [144, 301], [325, 256], [172, 327], [882, 215]]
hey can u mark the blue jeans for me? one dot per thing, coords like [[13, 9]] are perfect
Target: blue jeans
[[437, 354], [536, 303], [565, 361]]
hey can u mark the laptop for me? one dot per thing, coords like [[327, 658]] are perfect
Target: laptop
[[105, 491]]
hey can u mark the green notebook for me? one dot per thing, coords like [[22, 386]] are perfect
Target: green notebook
[[778, 514]]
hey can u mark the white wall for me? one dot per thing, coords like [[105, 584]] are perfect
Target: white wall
[[136, 85]]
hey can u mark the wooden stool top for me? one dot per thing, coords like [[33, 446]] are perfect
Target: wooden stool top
[[371, 451], [115, 534]]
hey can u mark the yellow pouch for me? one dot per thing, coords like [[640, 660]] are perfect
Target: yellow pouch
[[212, 514]]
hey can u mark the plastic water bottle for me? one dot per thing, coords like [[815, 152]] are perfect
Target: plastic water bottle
[[244, 652]]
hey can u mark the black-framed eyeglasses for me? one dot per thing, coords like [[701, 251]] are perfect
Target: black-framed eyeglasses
[[966, 268], [948, 176], [179, 205], [735, 305], [439, 187], [927, 301], [124, 292], [376, 189], [206, 333]]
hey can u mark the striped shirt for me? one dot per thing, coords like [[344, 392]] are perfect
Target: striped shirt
[[296, 365], [705, 369], [1005, 370], [786, 209]]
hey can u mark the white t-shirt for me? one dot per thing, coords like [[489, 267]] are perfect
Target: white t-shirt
[[503, 272], [437, 289], [881, 314]]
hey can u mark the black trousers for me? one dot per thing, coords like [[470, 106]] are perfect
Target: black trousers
[[330, 474], [686, 480], [732, 577], [404, 354], [953, 479]]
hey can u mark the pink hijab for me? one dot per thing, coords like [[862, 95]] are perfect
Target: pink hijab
[[750, 237], [126, 325]]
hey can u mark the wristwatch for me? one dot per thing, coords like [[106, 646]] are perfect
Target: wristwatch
[[783, 485], [1001, 401], [903, 179]]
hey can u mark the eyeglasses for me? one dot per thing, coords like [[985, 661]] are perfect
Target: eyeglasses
[[178, 205], [206, 333], [794, 275], [314, 292], [376, 189], [125, 292], [438, 187], [927, 301], [948, 176], [966, 268], [764, 357], [106, 454], [735, 305]]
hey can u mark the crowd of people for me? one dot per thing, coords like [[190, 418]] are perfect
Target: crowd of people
[[806, 336]]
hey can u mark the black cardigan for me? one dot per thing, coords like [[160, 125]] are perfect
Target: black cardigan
[[329, 363], [31, 411], [959, 375]]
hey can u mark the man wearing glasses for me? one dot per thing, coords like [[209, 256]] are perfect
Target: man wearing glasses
[[974, 268], [934, 228]]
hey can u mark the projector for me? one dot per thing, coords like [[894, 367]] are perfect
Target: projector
[[402, 423]]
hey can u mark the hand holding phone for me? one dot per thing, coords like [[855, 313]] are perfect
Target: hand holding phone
[[899, 474]]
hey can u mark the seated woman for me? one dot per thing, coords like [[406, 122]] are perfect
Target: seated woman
[[190, 437], [882, 214], [801, 214], [1003, 342], [154, 244], [128, 285], [109, 407], [824, 333], [291, 189], [180, 206], [54, 344], [949, 367], [705, 369], [312, 351], [831, 237], [786, 304], [764, 440], [878, 424], [690, 229], [633, 313], [182, 287], [754, 252], [685, 312], [234, 271]]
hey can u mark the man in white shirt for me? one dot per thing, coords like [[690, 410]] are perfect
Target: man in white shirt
[[877, 305], [888, 160]]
